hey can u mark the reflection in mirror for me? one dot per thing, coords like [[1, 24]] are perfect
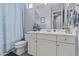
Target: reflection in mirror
[[72, 15], [57, 20]]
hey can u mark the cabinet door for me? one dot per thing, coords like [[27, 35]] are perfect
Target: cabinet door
[[64, 49], [46, 48], [31, 46]]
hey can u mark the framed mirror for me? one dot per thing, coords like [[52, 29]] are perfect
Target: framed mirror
[[57, 19], [72, 15]]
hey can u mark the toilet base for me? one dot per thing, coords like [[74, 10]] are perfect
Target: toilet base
[[21, 47], [20, 51]]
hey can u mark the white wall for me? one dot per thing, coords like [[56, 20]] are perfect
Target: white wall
[[28, 19], [57, 6], [43, 11]]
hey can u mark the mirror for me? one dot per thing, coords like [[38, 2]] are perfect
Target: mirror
[[72, 15], [57, 19]]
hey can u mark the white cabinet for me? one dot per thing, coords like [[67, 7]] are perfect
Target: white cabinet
[[46, 48], [31, 44], [65, 45], [42, 44], [64, 49]]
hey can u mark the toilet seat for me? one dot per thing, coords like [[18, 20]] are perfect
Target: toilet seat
[[20, 43]]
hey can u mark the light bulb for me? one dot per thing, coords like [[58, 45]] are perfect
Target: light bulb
[[30, 5]]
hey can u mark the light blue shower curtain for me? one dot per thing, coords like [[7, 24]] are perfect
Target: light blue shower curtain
[[12, 27], [1, 30]]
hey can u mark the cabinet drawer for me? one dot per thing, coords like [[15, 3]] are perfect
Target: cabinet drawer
[[66, 39], [46, 36], [31, 35]]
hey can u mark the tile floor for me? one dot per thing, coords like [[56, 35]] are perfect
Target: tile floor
[[26, 54], [13, 54]]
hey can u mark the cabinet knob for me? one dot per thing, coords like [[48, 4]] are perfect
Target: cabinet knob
[[57, 45]]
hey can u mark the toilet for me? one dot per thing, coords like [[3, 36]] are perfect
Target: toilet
[[20, 47]]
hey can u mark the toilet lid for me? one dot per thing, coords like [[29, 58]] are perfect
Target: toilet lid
[[20, 42]]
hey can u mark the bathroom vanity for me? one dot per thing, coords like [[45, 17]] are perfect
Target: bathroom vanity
[[43, 43]]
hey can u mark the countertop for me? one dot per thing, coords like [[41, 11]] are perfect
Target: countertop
[[59, 32]]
